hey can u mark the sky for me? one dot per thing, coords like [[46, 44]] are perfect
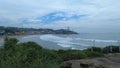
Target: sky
[[83, 16]]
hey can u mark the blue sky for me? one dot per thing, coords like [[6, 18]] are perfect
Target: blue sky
[[79, 15]]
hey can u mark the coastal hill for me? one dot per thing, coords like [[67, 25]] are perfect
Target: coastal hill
[[18, 31]]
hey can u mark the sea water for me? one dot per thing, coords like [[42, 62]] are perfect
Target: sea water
[[74, 41]]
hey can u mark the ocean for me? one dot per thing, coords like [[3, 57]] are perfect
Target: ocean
[[74, 41]]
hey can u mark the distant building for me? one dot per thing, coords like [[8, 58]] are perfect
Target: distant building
[[2, 32]]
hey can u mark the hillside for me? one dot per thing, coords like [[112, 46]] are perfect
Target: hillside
[[16, 30]]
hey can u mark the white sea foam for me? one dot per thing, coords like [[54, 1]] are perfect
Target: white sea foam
[[54, 38], [61, 41], [97, 40], [69, 42], [64, 45], [28, 37]]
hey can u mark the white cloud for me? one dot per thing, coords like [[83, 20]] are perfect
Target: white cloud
[[103, 14]]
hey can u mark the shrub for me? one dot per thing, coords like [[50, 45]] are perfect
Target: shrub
[[111, 49], [28, 45], [95, 49], [10, 43], [91, 54], [71, 54]]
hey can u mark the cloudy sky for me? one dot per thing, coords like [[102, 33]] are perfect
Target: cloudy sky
[[80, 15]]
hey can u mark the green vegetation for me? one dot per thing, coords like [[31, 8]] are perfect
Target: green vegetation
[[111, 49], [26, 55], [32, 55]]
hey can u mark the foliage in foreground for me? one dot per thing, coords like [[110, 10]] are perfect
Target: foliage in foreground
[[32, 55]]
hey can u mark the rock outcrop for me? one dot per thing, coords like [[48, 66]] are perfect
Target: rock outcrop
[[109, 61]]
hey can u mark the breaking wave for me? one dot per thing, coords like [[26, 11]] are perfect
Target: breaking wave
[[97, 40], [64, 42], [68, 41]]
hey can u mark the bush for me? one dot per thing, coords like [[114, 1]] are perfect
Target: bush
[[26, 55], [111, 49], [28, 45], [10, 43], [92, 54], [71, 54], [95, 49]]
